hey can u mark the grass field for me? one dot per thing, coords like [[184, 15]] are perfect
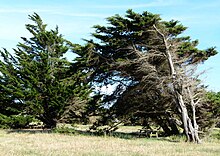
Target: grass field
[[23, 143]]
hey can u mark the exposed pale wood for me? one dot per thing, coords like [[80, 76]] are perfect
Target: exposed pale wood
[[190, 129]]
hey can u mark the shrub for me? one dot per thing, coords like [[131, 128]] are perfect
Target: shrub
[[15, 121], [64, 130]]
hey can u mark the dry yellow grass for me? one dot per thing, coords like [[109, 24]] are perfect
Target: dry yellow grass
[[50, 144]]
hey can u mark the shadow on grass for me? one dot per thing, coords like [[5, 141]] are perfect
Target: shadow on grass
[[70, 131], [30, 131], [133, 135], [174, 138], [168, 139], [122, 135]]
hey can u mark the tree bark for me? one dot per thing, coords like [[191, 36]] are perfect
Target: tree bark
[[195, 125]]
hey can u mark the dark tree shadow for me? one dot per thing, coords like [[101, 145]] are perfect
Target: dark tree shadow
[[122, 135], [30, 131]]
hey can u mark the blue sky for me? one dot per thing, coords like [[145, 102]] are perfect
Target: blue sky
[[76, 17]]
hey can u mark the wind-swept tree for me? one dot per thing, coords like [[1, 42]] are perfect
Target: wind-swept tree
[[41, 78], [150, 62]]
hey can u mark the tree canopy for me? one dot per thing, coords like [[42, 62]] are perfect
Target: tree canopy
[[153, 66], [149, 63], [39, 78]]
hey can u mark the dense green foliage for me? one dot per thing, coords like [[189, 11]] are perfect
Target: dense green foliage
[[214, 99], [132, 54], [38, 80]]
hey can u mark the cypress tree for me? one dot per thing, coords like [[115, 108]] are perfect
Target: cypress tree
[[153, 66], [46, 83]]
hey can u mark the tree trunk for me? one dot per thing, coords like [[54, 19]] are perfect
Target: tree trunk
[[195, 125], [187, 124], [174, 129], [166, 129], [48, 121], [190, 130]]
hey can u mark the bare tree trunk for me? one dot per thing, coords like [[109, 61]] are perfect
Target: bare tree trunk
[[195, 125], [190, 130]]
